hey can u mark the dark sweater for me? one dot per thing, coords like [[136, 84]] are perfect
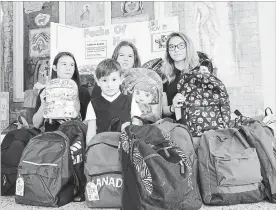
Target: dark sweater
[[107, 111], [84, 97], [171, 89]]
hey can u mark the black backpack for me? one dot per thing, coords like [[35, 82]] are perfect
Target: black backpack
[[204, 60], [45, 171], [156, 172], [207, 102], [262, 138], [76, 131], [12, 147]]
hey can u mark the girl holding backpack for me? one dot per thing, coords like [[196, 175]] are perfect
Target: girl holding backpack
[[180, 57], [64, 67]]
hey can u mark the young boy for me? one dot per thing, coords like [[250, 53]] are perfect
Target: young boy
[[112, 104]]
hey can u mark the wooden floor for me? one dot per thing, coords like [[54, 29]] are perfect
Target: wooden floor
[[8, 203]]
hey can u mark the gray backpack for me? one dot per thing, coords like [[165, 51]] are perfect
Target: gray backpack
[[45, 171], [103, 171], [229, 168]]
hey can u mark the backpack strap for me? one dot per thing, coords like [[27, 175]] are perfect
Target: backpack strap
[[185, 161], [145, 122]]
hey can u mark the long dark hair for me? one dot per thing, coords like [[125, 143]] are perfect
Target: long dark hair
[[76, 75], [137, 61]]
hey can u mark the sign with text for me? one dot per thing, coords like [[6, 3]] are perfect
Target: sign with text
[[91, 45]]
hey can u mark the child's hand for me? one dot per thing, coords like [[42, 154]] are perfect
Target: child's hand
[[124, 125]]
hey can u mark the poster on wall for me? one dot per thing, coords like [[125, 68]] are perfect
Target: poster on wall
[[84, 14], [39, 42], [131, 11], [4, 110], [158, 42], [93, 44], [37, 17]]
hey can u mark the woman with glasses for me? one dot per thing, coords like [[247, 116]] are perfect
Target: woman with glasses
[[180, 56]]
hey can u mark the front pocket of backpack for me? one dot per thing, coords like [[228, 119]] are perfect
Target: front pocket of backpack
[[41, 184], [108, 190], [238, 169]]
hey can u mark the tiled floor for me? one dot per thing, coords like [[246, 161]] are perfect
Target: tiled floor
[[8, 203]]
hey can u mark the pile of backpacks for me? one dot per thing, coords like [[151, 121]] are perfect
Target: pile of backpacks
[[203, 158]]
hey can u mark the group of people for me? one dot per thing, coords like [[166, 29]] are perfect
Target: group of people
[[107, 101]]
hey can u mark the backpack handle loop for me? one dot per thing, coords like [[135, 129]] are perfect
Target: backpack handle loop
[[145, 122], [268, 108]]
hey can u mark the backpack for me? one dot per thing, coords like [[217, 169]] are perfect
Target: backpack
[[157, 173], [62, 99], [146, 87], [76, 131], [267, 155], [207, 102], [270, 120], [204, 60], [45, 171], [229, 168], [181, 136], [262, 138], [12, 147], [20, 122], [103, 171], [155, 65]]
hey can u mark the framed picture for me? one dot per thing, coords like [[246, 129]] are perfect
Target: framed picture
[[84, 14], [158, 41], [132, 11]]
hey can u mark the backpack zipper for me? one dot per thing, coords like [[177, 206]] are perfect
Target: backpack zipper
[[39, 164]]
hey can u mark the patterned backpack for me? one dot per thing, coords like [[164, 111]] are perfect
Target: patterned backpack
[[155, 65], [146, 87], [207, 102], [62, 99], [157, 173]]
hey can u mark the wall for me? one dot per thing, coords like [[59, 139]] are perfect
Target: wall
[[267, 41], [7, 70], [239, 55]]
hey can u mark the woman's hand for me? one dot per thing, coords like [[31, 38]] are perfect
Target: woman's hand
[[178, 101], [204, 70]]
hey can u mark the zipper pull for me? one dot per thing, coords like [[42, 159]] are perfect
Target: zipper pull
[[166, 153], [182, 169], [4, 180]]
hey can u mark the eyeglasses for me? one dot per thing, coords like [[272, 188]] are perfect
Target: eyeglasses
[[180, 46]]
